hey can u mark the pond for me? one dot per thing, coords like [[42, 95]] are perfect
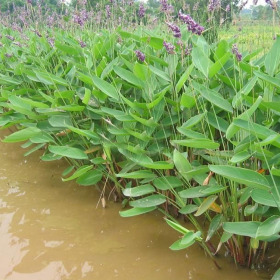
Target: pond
[[54, 230]]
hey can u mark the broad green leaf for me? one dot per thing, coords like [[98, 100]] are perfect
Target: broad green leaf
[[190, 237], [197, 143], [69, 152], [201, 61], [218, 65], [167, 182], [183, 78], [182, 164], [241, 175], [90, 178], [136, 211], [242, 228], [272, 59], [276, 276], [205, 205], [188, 209], [177, 226], [139, 191], [148, 201], [269, 227], [214, 226], [265, 198], [128, 76], [271, 80], [106, 88], [193, 121], [79, 172], [141, 174], [22, 135]]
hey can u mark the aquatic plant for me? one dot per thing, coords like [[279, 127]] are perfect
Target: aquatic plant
[[189, 128]]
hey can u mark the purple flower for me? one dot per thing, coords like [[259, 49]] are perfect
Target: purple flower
[[235, 51], [175, 29], [193, 26], [51, 41], [169, 47], [228, 8], [8, 55], [82, 44], [108, 11], [142, 10], [140, 56], [214, 5], [165, 7], [10, 37]]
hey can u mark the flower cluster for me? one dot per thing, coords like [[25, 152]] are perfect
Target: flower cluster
[[228, 8], [140, 56], [235, 51], [214, 5], [169, 47], [165, 7], [175, 29], [108, 11], [141, 11], [193, 26]]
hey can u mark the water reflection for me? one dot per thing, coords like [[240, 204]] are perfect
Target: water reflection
[[52, 230]]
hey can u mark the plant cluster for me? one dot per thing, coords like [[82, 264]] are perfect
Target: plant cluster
[[161, 121]]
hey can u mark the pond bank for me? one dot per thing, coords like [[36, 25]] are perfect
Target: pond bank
[[53, 230]]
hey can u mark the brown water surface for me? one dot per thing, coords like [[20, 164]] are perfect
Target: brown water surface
[[50, 230]]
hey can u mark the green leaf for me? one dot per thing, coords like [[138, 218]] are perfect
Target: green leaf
[[188, 209], [128, 76], [193, 121], [197, 143], [148, 201], [190, 237], [141, 174], [272, 59], [167, 183], [264, 197], [218, 65], [177, 226], [69, 152], [276, 276], [201, 61], [106, 88], [214, 226], [242, 228], [22, 135], [216, 98], [271, 80], [182, 164], [138, 191], [136, 211], [79, 172], [205, 205], [90, 178], [240, 175], [183, 78], [269, 227], [193, 192]]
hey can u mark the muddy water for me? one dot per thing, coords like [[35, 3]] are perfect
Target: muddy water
[[51, 230]]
